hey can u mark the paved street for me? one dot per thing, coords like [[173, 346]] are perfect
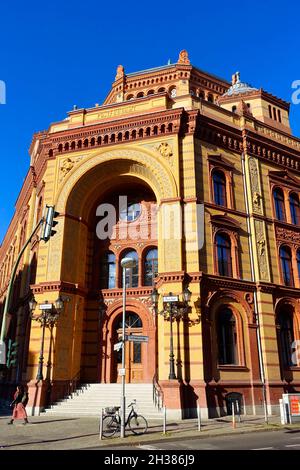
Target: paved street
[[277, 440], [68, 433]]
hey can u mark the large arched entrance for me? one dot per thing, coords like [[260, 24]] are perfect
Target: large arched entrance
[[90, 266]]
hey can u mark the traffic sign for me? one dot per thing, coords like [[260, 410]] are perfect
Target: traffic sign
[[137, 339], [170, 298], [118, 346], [45, 306]]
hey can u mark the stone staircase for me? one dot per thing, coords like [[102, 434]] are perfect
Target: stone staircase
[[89, 399]]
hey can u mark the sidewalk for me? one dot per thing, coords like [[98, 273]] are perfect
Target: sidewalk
[[66, 433]]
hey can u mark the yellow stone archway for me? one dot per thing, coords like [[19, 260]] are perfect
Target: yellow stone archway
[[76, 189]]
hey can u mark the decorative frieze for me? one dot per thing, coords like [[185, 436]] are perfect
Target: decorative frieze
[[261, 250], [255, 186], [290, 236]]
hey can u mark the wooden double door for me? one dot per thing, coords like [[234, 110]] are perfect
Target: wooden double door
[[134, 351]]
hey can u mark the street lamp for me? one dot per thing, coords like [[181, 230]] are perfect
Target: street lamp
[[173, 308], [47, 318], [126, 263]]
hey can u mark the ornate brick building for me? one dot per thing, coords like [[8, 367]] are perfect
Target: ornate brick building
[[168, 137]]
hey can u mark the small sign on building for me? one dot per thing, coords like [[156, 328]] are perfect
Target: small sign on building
[[118, 346], [170, 298], [121, 372], [45, 306], [137, 339]]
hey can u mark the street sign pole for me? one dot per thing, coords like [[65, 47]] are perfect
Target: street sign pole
[[123, 355]]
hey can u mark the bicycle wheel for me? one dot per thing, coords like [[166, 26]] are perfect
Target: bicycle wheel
[[138, 424], [109, 426]]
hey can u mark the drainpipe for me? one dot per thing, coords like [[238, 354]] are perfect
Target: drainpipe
[[253, 279]]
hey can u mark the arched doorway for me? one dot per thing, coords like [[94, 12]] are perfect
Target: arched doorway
[[135, 354]]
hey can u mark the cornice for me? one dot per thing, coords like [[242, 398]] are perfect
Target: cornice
[[58, 286]]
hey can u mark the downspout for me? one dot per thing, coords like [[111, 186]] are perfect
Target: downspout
[[253, 279]]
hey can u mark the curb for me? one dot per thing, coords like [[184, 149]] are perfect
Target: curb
[[199, 435]]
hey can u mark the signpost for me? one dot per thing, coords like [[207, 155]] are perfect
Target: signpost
[[137, 339], [170, 298], [45, 306], [118, 346], [291, 404]]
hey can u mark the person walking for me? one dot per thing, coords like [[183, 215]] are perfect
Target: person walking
[[19, 403]]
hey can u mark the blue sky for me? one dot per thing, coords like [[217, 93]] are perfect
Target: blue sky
[[57, 54]]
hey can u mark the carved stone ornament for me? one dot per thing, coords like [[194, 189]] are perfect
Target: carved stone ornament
[[255, 188], [183, 57], [120, 72], [165, 150], [261, 250], [67, 165], [288, 235]]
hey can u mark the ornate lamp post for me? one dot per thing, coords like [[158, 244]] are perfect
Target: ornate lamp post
[[47, 318], [173, 308]]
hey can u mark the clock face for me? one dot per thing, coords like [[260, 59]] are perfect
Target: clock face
[[173, 93], [130, 212]]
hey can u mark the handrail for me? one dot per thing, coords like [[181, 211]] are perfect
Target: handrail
[[73, 383], [158, 394]]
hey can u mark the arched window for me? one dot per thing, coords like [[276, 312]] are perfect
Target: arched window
[[227, 337], [286, 265], [270, 111], [132, 320], [150, 267], [298, 263], [279, 204], [294, 207], [279, 115], [286, 336], [224, 261], [219, 185], [108, 271], [210, 98], [132, 274]]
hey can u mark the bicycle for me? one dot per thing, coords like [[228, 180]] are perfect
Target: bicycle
[[112, 421]]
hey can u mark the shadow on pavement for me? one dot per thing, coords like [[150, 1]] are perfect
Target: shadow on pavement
[[46, 441], [53, 421]]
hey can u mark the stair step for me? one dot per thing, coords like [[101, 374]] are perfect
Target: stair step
[[89, 399]]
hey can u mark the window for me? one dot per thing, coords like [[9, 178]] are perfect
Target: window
[[227, 337], [233, 109], [298, 263], [286, 265], [219, 188], [294, 206], [286, 336], [270, 111], [108, 271], [132, 274], [279, 115], [150, 267], [132, 320], [279, 204], [224, 262]]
